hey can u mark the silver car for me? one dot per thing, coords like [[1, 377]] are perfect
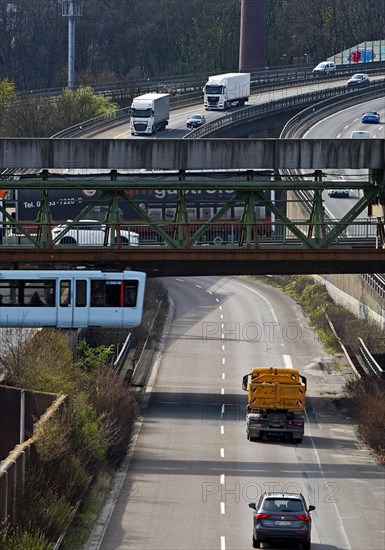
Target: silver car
[[90, 233], [281, 517]]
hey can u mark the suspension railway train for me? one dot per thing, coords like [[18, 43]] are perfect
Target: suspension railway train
[[71, 298]]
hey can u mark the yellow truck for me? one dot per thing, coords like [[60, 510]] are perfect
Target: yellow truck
[[275, 404]]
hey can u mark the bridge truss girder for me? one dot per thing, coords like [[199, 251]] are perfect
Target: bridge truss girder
[[249, 187]]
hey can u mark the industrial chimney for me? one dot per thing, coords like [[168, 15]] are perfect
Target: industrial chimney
[[252, 48]]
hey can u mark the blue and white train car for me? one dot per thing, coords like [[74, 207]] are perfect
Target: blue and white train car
[[71, 298]]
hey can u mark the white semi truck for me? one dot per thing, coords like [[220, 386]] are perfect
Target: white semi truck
[[149, 113], [224, 90]]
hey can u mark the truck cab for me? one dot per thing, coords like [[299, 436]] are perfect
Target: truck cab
[[149, 113], [225, 90]]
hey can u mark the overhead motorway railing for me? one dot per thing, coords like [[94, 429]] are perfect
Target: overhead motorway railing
[[181, 84]]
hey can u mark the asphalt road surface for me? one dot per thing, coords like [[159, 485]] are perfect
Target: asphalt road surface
[[192, 472]]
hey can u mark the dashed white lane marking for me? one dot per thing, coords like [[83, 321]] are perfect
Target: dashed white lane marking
[[222, 507], [345, 537], [222, 391], [223, 360], [223, 543], [223, 375], [222, 479], [222, 452], [222, 430]]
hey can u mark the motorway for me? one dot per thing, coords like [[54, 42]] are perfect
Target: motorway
[[177, 124], [339, 126], [193, 472]]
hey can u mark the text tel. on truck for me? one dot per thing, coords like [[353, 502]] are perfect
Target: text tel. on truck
[[225, 90], [149, 113]]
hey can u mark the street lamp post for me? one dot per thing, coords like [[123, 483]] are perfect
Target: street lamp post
[[71, 9]]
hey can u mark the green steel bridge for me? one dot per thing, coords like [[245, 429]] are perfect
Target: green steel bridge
[[257, 220]]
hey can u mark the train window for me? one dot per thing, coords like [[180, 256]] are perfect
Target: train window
[[112, 292], [49, 293], [155, 214], [206, 212], [260, 212], [35, 292], [9, 293], [191, 213], [169, 213], [130, 293], [81, 293], [105, 293], [238, 212], [226, 215], [65, 293], [32, 293]]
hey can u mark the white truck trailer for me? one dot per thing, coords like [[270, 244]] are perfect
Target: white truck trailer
[[149, 113], [224, 90]]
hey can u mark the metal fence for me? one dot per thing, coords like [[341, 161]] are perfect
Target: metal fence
[[371, 365]]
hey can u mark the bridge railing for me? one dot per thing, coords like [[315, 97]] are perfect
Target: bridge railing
[[188, 91], [181, 84], [371, 365], [376, 282], [300, 122], [261, 233], [120, 116]]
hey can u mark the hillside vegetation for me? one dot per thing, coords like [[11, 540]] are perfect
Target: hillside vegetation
[[127, 40]]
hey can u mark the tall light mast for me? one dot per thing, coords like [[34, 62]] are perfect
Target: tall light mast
[[71, 9]]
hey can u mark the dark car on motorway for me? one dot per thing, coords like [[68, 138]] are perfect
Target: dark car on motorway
[[194, 121], [281, 517], [339, 193], [359, 79], [371, 117]]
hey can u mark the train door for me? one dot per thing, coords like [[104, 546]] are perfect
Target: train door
[[65, 303], [72, 303], [81, 310]]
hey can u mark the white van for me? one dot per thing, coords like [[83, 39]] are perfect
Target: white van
[[324, 67], [361, 134]]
